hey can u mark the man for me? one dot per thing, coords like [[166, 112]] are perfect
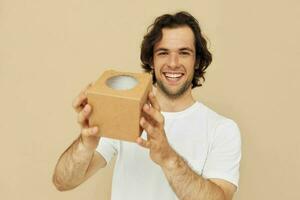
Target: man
[[187, 151]]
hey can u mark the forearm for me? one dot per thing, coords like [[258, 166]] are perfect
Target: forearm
[[187, 184], [72, 166]]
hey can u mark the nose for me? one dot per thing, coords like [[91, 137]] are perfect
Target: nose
[[173, 60]]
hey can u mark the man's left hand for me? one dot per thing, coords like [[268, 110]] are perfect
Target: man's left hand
[[152, 122]]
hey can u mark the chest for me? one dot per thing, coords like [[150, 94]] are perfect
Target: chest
[[189, 140]]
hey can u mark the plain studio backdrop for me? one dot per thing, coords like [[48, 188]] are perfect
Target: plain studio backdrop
[[50, 50]]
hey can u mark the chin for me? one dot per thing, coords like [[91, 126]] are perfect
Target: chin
[[172, 92]]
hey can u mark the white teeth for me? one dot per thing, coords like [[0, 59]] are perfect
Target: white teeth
[[173, 75]]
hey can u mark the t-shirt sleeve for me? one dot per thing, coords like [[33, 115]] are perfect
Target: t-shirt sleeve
[[108, 148], [223, 160]]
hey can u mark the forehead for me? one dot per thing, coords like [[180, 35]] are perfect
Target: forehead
[[176, 38]]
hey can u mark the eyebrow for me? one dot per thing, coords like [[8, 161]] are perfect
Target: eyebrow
[[161, 49], [181, 49], [186, 49]]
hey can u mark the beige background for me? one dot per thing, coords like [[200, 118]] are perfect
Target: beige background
[[49, 50]]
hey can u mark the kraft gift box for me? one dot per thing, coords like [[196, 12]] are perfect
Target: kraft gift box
[[117, 99]]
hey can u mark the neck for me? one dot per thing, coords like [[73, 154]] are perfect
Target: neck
[[169, 104]]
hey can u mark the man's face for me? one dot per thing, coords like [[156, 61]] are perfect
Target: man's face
[[174, 60]]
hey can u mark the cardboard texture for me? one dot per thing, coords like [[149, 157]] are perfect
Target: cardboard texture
[[117, 112]]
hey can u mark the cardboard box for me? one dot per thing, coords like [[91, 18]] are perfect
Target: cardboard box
[[117, 99]]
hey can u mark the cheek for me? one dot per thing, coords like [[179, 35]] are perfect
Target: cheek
[[158, 61], [157, 73], [189, 64], [158, 64]]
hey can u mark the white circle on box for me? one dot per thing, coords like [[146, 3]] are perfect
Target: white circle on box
[[122, 82]]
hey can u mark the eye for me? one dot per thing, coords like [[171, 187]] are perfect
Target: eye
[[185, 53], [162, 53]]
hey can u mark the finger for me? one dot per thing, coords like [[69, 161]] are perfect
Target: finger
[[143, 143], [148, 118], [92, 131], [148, 128], [87, 87], [153, 101], [84, 115], [80, 101], [155, 115]]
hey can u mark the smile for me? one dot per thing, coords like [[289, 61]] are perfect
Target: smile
[[173, 77]]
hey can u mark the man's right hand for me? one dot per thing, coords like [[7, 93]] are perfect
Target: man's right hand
[[80, 160], [89, 134]]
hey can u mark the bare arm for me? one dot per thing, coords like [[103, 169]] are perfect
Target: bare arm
[[186, 183], [76, 165], [80, 160]]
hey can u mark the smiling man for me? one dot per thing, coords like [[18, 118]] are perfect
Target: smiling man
[[187, 151]]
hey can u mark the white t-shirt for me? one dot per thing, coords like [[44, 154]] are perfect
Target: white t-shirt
[[209, 142]]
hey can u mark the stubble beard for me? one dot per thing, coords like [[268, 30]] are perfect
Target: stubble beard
[[179, 92]]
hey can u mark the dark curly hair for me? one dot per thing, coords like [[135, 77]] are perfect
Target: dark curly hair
[[154, 35]]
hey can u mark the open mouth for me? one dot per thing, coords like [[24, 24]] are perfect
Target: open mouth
[[173, 77]]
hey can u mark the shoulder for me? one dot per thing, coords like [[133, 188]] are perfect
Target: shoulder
[[218, 125], [213, 117]]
